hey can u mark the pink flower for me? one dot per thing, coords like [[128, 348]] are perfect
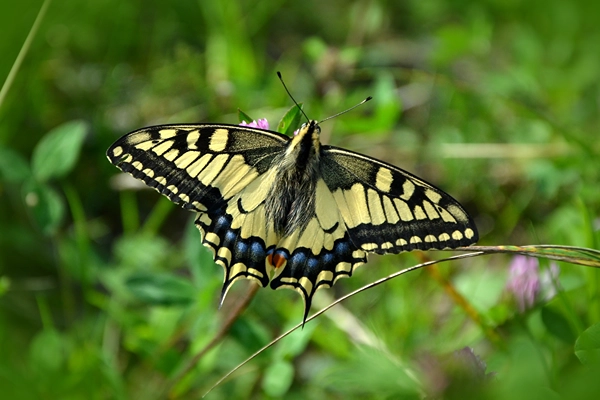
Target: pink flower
[[527, 284], [260, 124]]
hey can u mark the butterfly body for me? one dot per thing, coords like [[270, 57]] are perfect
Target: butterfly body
[[290, 211], [291, 201]]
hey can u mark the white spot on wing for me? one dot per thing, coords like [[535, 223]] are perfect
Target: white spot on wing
[[186, 159], [117, 151], [192, 139], [383, 180], [218, 140], [469, 233], [433, 196], [171, 154], [403, 210], [357, 204], [375, 207], [167, 133], [419, 213], [163, 147], [196, 167], [390, 212], [325, 206], [430, 210], [458, 213], [409, 188]]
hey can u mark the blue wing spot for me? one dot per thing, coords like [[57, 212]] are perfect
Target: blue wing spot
[[341, 248], [257, 252], [221, 222], [313, 263], [327, 258], [230, 236], [240, 247], [299, 258]]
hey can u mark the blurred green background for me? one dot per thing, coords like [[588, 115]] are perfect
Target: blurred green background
[[106, 292]]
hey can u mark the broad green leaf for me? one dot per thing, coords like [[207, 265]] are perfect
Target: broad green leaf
[[587, 346], [557, 325], [13, 167], [56, 153], [46, 205], [278, 378], [160, 289], [290, 120], [243, 117]]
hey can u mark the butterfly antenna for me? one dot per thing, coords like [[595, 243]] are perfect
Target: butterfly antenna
[[345, 111], [291, 97]]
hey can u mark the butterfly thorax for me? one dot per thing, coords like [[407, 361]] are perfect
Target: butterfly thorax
[[291, 201]]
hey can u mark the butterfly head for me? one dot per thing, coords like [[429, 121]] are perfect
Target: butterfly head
[[307, 138]]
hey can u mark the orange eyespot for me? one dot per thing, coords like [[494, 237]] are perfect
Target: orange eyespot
[[277, 260]]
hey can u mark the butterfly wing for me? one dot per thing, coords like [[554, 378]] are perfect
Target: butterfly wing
[[320, 254], [218, 171], [388, 210]]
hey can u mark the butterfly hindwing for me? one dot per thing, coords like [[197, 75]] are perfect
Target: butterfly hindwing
[[388, 210], [320, 254]]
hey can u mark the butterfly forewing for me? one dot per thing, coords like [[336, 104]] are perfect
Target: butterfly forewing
[[209, 168], [388, 210]]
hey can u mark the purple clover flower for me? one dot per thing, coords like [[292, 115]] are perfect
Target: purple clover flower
[[260, 124], [527, 284]]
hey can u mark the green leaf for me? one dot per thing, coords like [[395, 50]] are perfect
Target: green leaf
[[249, 334], [160, 289], [557, 325], [56, 153], [243, 117], [13, 167], [46, 351], [290, 120], [4, 285], [142, 252], [46, 205], [587, 346], [278, 378]]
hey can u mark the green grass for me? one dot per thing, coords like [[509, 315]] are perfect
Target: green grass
[[108, 293]]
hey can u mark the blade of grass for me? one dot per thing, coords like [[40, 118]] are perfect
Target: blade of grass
[[23, 52], [129, 212], [157, 216]]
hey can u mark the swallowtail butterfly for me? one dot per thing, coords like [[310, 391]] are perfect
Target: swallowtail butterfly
[[290, 210]]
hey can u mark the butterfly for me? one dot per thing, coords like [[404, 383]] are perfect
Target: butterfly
[[290, 211]]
